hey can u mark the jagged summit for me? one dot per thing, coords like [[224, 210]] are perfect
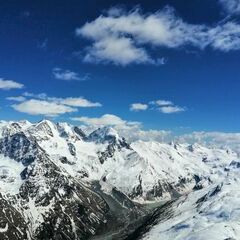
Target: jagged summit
[[104, 134]]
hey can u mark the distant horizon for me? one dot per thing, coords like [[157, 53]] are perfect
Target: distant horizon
[[227, 141]]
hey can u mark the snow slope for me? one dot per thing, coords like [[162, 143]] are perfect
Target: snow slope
[[48, 171], [143, 171], [212, 213], [10, 179]]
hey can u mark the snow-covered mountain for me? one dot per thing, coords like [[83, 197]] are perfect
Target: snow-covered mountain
[[211, 213], [57, 182]]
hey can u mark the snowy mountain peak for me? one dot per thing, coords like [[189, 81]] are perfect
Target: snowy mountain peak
[[70, 132], [43, 130], [104, 135]]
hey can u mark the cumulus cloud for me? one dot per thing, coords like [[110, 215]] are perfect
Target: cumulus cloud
[[9, 84], [231, 6], [122, 37], [138, 107], [116, 50], [68, 75], [42, 104], [16, 99], [78, 102], [40, 107], [105, 120]]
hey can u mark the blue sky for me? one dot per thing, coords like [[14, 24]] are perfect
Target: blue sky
[[143, 53]]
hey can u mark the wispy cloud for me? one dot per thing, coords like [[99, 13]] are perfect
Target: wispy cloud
[[162, 102], [68, 75], [70, 101], [164, 106], [225, 37], [43, 44], [10, 84], [16, 99], [171, 109], [138, 107], [167, 107], [39, 95], [122, 37], [231, 6], [40, 107]]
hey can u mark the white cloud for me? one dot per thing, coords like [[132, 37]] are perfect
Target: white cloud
[[70, 101], [164, 106], [17, 99], [132, 131], [105, 120], [123, 38], [39, 96], [119, 38], [171, 109], [117, 50], [40, 107], [135, 133], [138, 107], [130, 31], [225, 37], [68, 75], [79, 102], [218, 139], [9, 84], [168, 107], [162, 102], [231, 6]]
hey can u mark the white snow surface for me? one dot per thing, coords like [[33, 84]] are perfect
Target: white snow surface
[[10, 180], [217, 218], [145, 164]]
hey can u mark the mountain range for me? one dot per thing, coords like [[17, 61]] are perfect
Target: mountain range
[[57, 182]]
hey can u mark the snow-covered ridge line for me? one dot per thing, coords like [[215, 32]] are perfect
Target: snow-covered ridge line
[[142, 170], [48, 172]]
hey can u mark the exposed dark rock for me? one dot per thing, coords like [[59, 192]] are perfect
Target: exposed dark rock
[[72, 149], [80, 133]]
